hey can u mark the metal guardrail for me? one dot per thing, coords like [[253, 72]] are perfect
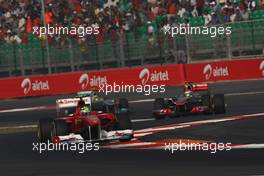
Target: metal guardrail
[[130, 49]]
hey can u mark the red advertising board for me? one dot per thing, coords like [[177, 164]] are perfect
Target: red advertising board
[[171, 75], [225, 70], [80, 81]]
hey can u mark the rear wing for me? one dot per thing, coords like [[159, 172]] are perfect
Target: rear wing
[[196, 87], [71, 102]]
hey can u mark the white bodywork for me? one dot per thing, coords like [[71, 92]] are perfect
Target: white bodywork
[[105, 136], [71, 102]]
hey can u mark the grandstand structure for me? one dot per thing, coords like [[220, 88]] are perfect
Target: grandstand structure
[[134, 47]]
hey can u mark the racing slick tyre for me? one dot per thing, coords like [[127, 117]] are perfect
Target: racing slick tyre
[[206, 101], [219, 104], [123, 121], [123, 104], [44, 129], [60, 128], [159, 104], [91, 133]]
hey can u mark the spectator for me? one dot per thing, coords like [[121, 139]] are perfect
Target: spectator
[[244, 14], [182, 12], [215, 19], [112, 16], [242, 6], [251, 5], [194, 12], [225, 14], [199, 6], [236, 16], [171, 7], [170, 57], [207, 18]]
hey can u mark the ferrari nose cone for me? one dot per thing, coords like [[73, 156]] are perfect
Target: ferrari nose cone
[[93, 120]]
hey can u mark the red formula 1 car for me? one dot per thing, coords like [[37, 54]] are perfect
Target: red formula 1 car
[[98, 121], [195, 99]]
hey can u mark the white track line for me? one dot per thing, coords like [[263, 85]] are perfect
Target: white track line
[[243, 93], [143, 120], [249, 146], [25, 109], [142, 101], [20, 127]]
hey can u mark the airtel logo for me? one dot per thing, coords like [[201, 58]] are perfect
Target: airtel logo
[[261, 67], [145, 75], [209, 71], [36, 85], [26, 85], [84, 80]]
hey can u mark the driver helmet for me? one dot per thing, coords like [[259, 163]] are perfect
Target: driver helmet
[[95, 97], [187, 93], [84, 110], [188, 87]]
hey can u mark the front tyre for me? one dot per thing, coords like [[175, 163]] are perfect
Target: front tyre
[[60, 128], [123, 121], [44, 129], [158, 105]]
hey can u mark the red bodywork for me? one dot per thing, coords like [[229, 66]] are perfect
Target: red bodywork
[[168, 111], [183, 105], [195, 87], [77, 122]]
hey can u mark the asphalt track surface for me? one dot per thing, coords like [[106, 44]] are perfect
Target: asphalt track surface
[[243, 98]]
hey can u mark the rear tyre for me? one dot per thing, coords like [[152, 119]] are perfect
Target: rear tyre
[[60, 128], [44, 129], [219, 104], [159, 103], [206, 101]]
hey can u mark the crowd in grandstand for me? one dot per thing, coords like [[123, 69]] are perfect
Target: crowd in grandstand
[[113, 16]]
